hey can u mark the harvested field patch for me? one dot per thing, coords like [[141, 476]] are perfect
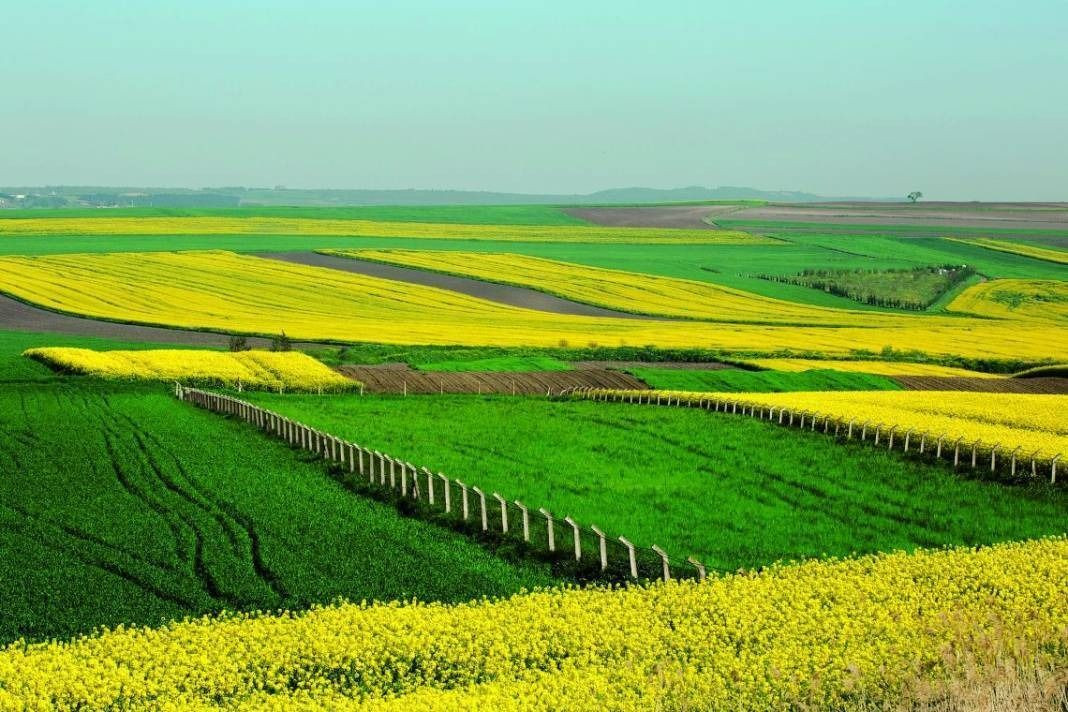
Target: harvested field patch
[[515, 296], [399, 378], [995, 216], [984, 385], [696, 217]]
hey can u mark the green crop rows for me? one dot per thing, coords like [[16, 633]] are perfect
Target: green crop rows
[[120, 505], [733, 491]]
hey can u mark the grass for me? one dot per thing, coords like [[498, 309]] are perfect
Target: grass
[[119, 505], [734, 381], [503, 364], [735, 492]]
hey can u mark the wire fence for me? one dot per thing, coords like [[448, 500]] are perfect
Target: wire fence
[[580, 550], [1001, 458]]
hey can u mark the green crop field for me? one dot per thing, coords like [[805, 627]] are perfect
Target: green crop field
[[735, 381], [734, 492], [119, 505]]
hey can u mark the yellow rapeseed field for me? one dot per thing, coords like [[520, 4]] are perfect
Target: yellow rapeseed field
[[227, 292], [815, 635], [1039, 300], [291, 371], [1035, 423], [369, 228], [1017, 248], [633, 291], [881, 368]]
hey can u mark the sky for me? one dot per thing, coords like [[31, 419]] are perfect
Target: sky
[[961, 100]]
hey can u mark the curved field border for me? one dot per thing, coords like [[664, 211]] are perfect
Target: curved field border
[[17, 315], [500, 292]]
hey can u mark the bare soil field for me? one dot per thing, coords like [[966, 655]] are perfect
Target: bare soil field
[[20, 316], [400, 378], [501, 293], [678, 216], [1056, 386], [1000, 216]]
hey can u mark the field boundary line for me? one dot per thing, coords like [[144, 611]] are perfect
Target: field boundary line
[[949, 446], [585, 549]]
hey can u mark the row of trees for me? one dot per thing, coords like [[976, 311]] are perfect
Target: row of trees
[[839, 283]]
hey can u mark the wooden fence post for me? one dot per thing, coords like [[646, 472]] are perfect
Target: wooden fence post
[[663, 560], [1013, 466], [1053, 469], [601, 546], [577, 536], [549, 527], [993, 456]]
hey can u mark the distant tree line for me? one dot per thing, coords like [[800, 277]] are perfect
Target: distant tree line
[[842, 284]]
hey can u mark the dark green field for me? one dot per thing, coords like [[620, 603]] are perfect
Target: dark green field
[[733, 491], [736, 381], [119, 504]]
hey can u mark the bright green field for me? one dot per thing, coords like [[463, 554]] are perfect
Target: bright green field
[[733, 491], [735, 381], [120, 505]]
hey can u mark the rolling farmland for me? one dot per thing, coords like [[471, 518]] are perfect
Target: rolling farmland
[[228, 292], [132, 508]]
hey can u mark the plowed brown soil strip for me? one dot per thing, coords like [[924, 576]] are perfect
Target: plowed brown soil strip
[[402, 379], [984, 385]]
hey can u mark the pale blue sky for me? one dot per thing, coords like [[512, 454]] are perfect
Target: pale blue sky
[[963, 100]]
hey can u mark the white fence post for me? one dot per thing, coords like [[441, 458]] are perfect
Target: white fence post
[[463, 499], [448, 492], [504, 512], [549, 527], [601, 546], [631, 559], [663, 560], [697, 565], [577, 536], [482, 507], [429, 485], [526, 519]]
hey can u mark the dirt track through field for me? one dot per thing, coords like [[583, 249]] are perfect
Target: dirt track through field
[[399, 378], [500, 293], [693, 217], [19, 316], [1056, 386]]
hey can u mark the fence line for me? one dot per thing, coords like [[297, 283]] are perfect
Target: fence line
[[596, 553], [939, 445]]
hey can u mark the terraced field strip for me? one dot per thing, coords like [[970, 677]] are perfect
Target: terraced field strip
[[881, 368], [252, 226], [292, 370], [488, 513], [634, 292], [1016, 247], [240, 294], [392, 379], [1020, 428], [1052, 386]]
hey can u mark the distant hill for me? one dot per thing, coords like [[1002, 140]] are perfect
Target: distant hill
[[125, 197]]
